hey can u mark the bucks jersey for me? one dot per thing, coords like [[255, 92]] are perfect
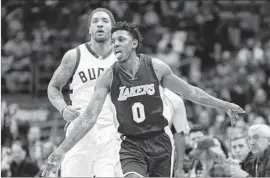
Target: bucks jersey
[[89, 67], [137, 100], [97, 152], [174, 111]]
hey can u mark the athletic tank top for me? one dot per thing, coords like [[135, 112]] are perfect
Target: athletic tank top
[[138, 103]]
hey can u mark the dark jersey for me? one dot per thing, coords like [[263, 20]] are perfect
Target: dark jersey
[[137, 100]]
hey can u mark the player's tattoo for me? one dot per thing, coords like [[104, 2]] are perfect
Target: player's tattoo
[[83, 125], [60, 77]]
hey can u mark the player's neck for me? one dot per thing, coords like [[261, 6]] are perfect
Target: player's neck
[[131, 66], [101, 48]]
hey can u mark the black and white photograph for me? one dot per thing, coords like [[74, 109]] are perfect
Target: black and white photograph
[[135, 88]]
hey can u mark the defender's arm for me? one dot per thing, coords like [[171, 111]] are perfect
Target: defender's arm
[[60, 77], [87, 120]]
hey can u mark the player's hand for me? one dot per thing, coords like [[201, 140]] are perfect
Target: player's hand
[[53, 163], [233, 110], [70, 113]]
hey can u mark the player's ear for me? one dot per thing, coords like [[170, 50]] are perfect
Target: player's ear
[[135, 43]]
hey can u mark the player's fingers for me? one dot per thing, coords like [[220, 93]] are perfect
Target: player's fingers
[[239, 110], [229, 112], [72, 114], [46, 172], [43, 174], [232, 121], [75, 112]]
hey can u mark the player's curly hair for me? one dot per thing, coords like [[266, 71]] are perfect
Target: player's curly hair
[[132, 29]]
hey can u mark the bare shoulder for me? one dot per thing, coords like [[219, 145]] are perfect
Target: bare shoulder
[[66, 69], [69, 59], [105, 78], [161, 68]]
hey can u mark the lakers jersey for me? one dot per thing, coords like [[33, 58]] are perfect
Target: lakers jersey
[[138, 103], [89, 67]]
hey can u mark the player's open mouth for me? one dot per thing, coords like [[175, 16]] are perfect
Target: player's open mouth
[[117, 51], [100, 32]]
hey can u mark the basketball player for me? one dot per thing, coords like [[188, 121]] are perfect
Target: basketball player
[[133, 83], [98, 152], [175, 112]]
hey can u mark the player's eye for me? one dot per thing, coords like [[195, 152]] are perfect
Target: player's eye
[[121, 39], [106, 20]]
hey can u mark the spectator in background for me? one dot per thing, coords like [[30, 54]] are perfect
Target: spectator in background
[[241, 153], [195, 134], [121, 11], [241, 91], [193, 64], [208, 153], [19, 164], [10, 130], [14, 21], [250, 53], [258, 120], [171, 58], [151, 28], [259, 141], [48, 148], [35, 146], [20, 49], [7, 61], [219, 170]]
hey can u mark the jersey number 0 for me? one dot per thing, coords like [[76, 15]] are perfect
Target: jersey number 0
[[138, 112]]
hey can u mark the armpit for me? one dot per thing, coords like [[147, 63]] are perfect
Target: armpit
[[161, 69]]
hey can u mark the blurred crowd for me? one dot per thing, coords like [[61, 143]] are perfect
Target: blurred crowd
[[222, 47], [23, 148]]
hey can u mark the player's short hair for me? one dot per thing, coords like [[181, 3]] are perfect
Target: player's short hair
[[101, 10], [132, 29]]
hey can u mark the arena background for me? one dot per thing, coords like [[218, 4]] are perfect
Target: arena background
[[221, 46]]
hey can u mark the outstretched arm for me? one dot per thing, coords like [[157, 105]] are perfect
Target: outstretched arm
[[83, 123], [192, 93]]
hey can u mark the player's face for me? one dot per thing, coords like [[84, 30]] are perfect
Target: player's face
[[240, 149], [100, 27], [123, 44]]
